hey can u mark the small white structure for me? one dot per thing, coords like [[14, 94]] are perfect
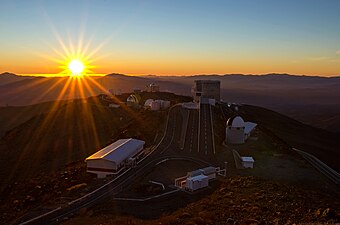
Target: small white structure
[[238, 131], [210, 172], [197, 179], [133, 100], [113, 158], [247, 162], [156, 105], [112, 105], [196, 182], [137, 90], [249, 127], [148, 102], [153, 87], [190, 105], [165, 104]]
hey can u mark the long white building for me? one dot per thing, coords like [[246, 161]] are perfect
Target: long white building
[[113, 158]]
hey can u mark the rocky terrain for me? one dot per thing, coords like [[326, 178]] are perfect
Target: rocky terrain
[[45, 189], [42, 157], [237, 200], [37, 184]]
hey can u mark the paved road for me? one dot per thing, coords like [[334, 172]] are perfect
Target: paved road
[[191, 139], [320, 166], [167, 144], [205, 131], [198, 145]]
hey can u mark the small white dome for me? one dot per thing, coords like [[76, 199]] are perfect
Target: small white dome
[[236, 121], [132, 99], [148, 102]]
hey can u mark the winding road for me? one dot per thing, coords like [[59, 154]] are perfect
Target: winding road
[[119, 183]]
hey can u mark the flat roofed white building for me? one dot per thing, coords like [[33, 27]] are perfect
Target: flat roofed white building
[[247, 162], [196, 182], [210, 172], [249, 127], [114, 157]]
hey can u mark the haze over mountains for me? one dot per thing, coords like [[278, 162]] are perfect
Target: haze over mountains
[[310, 99]]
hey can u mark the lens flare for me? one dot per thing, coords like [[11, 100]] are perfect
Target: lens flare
[[76, 67]]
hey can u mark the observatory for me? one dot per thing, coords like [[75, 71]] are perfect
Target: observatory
[[208, 89], [114, 157], [155, 105], [133, 100], [238, 131], [153, 87], [197, 179]]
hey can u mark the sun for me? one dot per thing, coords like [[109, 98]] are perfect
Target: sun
[[75, 58], [76, 67]]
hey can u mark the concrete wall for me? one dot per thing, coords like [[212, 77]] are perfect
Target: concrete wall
[[247, 164], [101, 167]]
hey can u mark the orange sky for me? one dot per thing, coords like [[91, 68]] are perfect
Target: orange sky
[[170, 38], [182, 66]]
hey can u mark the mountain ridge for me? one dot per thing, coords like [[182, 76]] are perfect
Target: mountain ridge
[[310, 99]]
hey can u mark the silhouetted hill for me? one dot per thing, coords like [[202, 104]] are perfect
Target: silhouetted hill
[[6, 78], [50, 135], [13, 116], [321, 143], [69, 131], [301, 97], [83, 126]]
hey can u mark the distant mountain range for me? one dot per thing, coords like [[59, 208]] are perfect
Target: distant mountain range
[[310, 99]]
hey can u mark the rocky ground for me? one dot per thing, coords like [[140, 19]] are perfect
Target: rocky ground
[[239, 200], [46, 189]]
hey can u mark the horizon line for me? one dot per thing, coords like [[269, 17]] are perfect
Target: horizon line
[[168, 75]]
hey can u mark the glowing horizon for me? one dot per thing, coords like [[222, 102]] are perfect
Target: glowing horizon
[[167, 38]]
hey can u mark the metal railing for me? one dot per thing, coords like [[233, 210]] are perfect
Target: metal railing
[[320, 166]]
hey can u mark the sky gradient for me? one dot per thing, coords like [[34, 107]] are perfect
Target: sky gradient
[[174, 37]]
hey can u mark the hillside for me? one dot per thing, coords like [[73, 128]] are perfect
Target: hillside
[[71, 131], [312, 100], [6, 78], [321, 143], [237, 200], [13, 116], [44, 159]]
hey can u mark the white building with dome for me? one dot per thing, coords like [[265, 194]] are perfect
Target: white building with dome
[[238, 131]]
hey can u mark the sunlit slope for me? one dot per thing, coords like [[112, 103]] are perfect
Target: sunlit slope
[[72, 130], [42, 89], [13, 116], [67, 133]]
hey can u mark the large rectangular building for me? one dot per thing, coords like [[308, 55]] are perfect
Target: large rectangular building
[[114, 157], [208, 89]]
